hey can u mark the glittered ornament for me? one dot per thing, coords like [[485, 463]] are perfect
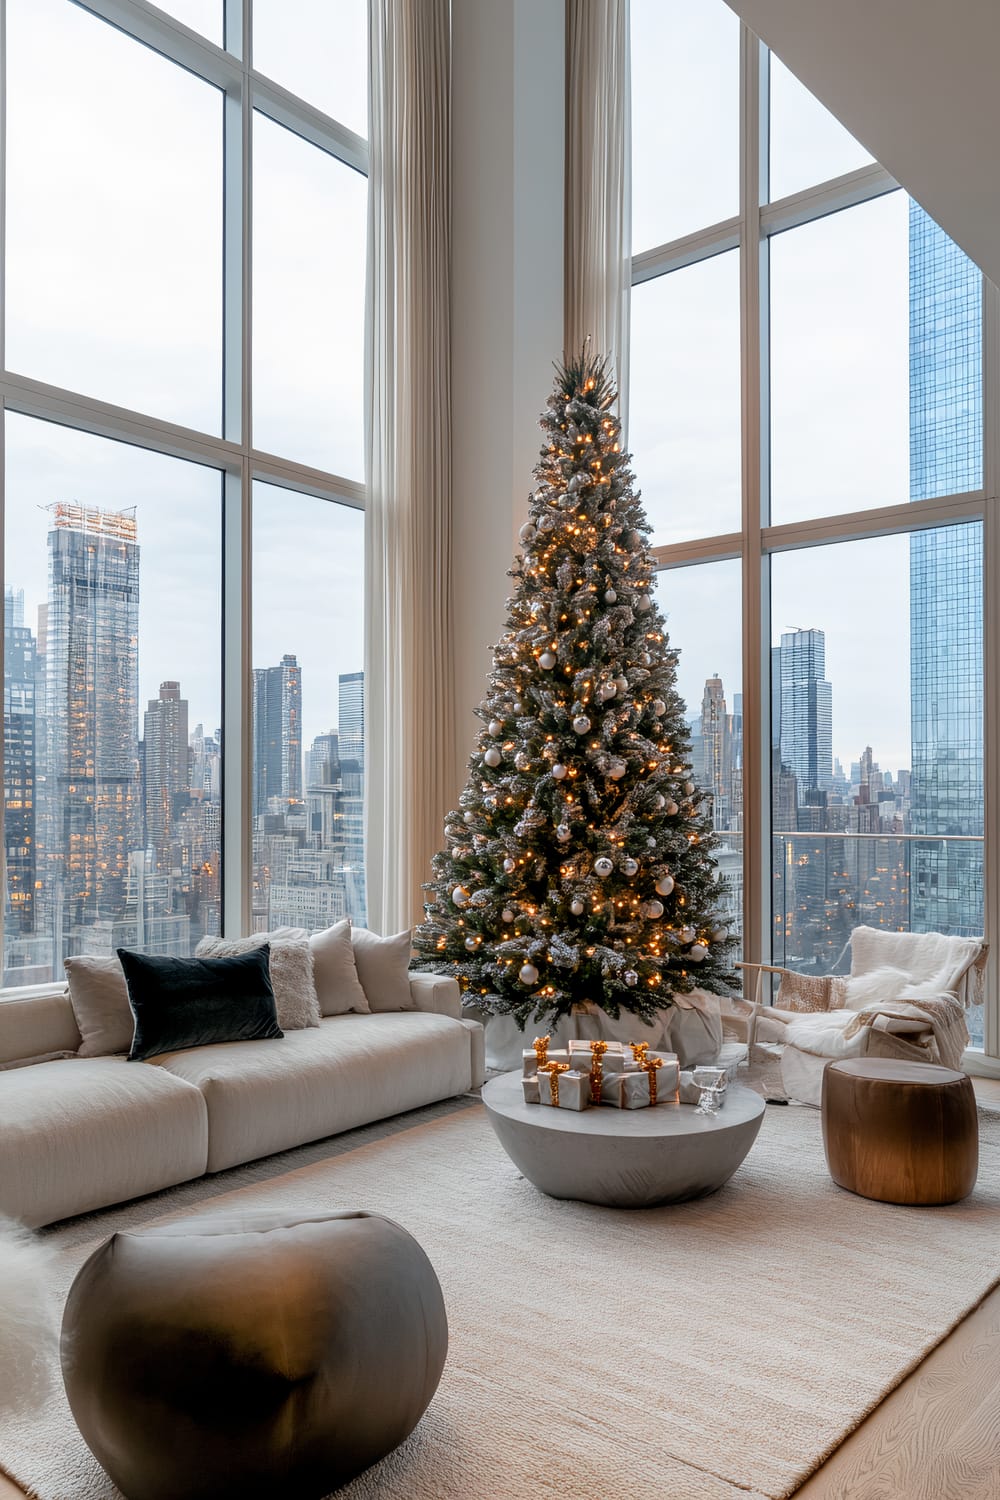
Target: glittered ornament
[[492, 756], [460, 896], [653, 909], [664, 885], [559, 771], [576, 906], [581, 724], [631, 977], [480, 898], [522, 761], [603, 867], [507, 915], [547, 661], [630, 867], [528, 974]]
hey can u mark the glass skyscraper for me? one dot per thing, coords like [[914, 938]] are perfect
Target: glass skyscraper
[[946, 572], [806, 710]]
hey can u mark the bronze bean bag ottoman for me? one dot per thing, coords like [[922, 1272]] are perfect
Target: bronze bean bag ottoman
[[252, 1355], [900, 1132]]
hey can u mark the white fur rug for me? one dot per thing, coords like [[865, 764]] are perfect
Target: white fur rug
[[716, 1350]]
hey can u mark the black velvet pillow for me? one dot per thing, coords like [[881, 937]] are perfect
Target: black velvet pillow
[[192, 1002]]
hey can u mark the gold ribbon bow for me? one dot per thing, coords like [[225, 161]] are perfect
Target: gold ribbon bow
[[597, 1051], [553, 1069], [541, 1046], [639, 1050], [649, 1065]]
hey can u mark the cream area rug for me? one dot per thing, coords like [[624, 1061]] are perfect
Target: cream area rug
[[707, 1351]]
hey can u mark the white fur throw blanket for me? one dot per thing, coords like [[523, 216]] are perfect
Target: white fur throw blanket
[[29, 1320], [882, 997]]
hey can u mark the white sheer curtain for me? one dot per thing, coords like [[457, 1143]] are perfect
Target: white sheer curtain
[[598, 181], [409, 708]]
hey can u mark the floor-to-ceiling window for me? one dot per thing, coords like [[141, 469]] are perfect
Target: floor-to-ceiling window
[[807, 416], [181, 376]]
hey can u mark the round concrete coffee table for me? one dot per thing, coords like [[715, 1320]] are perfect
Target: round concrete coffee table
[[623, 1158]]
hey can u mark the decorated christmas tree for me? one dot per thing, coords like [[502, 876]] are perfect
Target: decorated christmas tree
[[579, 865]]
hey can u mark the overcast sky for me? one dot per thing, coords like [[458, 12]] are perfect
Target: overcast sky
[[114, 249]]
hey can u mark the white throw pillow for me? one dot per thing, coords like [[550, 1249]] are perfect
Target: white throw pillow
[[291, 965], [384, 968], [99, 997], [337, 984]]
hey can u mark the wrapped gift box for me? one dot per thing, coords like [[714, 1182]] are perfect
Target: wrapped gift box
[[573, 1092], [690, 1093], [530, 1087], [631, 1090], [529, 1060]]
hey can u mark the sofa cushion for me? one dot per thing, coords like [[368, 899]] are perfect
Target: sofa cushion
[[264, 1097], [99, 997], [194, 1002], [291, 971], [337, 984], [384, 968], [78, 1135], [33, 1025]]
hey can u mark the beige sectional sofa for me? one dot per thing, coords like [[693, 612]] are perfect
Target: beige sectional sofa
[[77, 1134]]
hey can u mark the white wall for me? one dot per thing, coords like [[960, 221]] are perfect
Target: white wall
[[506, 302], [916, 82]]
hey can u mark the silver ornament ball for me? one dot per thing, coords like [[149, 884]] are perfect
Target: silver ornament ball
[[558, 771], [507, 915], [492, 756], [664, 885], [630, 867], [631, 977], [576, 906], [654, 909], [687, 934], [581, 724], [460, 896], [528, 974], [495, 727], [510, 865], [698, 953], [610, 597], [564, 833], [547, 661], [603, 867]]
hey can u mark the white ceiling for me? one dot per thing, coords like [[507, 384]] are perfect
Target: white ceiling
[[916, 81]]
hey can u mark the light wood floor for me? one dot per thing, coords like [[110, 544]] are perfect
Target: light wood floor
[[932, 1438]]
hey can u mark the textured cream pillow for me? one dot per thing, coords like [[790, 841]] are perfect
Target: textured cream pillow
[[99, 997], [291, 965], [337, 983], [384, 968]]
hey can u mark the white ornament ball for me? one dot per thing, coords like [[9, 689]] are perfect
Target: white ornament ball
[[507, 915], [609, 690], [672, 809], [644, 604], [630, 867], [581, 724], [621, 683], [610, 597], [559, 771], [546, 523], [470, 816], [687, 934], [460, 896], [576, 906], [517, 707], [526, 533], [564, 833], [698, 953], [659, 707], [631, 977], [495, 727], [510, 865], [471, 943], [492, 756], [547, 661], [603, 867], [617, 770], [689, 788], [654, 909], [528, 974], [664, 885], [719, 934], [659, 801]]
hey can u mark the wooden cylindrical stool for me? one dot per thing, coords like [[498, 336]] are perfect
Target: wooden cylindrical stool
[[900, 1132]]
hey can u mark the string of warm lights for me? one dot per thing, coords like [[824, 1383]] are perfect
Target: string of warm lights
[[578, 866]]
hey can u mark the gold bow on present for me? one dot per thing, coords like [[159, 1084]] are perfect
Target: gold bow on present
[[553, 1069], [541, 1046], [639, 1050], [649, 1065], [597, 1051]]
